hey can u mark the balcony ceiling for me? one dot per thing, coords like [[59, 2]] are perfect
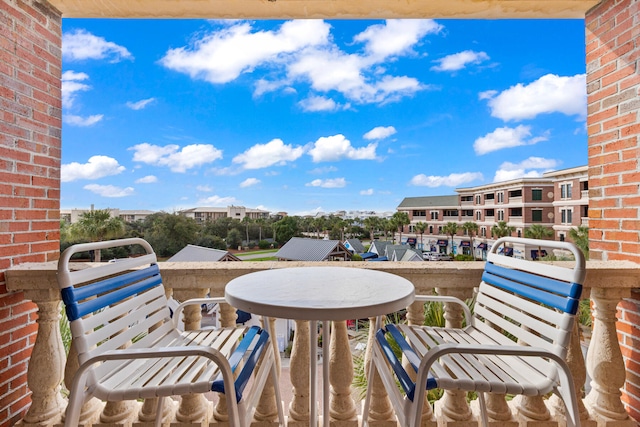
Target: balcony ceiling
[[336, 9]]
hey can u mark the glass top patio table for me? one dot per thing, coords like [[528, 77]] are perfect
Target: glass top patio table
[[320, 294]]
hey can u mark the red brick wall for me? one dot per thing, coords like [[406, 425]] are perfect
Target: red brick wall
[[30, 128], [613, 87]]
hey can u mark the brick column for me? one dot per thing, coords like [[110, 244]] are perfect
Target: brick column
[[30, 127], [613, 87]]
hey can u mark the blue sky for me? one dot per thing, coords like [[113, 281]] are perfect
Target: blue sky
[[307, 116]]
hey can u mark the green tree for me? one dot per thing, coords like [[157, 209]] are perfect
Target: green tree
[[580, 236], [372, 223], [538, 231], [285, 229], [401, 219], [472, 229], [450, 229], [169, 233], [246, 221], [210, 241], [501, 229], [234, 238], [420, 228], [97, 225]]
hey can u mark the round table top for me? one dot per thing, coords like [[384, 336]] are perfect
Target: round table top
[[320, 293]]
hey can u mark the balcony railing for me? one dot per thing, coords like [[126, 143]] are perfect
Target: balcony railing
[[606, 284]]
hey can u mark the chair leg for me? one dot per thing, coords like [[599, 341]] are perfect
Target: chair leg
[[483, 409], [159, 408], [276, 387]]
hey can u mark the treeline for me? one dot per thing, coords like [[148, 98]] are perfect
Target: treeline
[[168, 233]]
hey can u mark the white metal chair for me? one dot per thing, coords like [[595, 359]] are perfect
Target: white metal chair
[[130, 348], [532, 301]]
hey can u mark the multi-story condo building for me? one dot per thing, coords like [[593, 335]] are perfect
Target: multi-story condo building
[[558, 200], [202, 214]]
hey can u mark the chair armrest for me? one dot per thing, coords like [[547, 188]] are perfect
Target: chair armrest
[[444, 298], [199, 301]]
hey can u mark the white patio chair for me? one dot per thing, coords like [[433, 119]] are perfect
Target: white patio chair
[[130, 348]]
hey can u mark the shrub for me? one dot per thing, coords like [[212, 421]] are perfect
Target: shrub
[[263, 244]]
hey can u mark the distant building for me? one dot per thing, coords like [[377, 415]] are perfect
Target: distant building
[[301, 249], [193, 253], [72, 215], [354, 245], [203, 214]]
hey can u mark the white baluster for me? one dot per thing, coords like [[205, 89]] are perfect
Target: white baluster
[[342, 409], [299, 373]]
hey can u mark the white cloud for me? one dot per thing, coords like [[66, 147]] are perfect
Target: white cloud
[[249, 182], [328, 183], [96, 167], [396, 36], [217, 201], [487, 94], [109, 190], [326, 169], [176, 159], [221, 56], [139, 105], [204, 188], [71, 85], [74, 120], [452, 180], [367, 192], [80, 44], [337, 147], [274, 152], [460, 60], [532, 167], [505, 137], [149, 179], [548, 94], [379, 132], [303, 51], [320, 103]]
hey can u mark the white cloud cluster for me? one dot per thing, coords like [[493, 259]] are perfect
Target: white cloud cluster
[[95, 168], [460, 60], [176, 159], [74, 120], [337, 147], [217, 201], [149, 179], [367, 192], [302, 50], [109, 190], [452, 180], [380, 132], [530, 168], [249, 182], [328, 183], [139, 105], [506, 137], [71, 85], [274, 152], [549, 94], [79, 45]]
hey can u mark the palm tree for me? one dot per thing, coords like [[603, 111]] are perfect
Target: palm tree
[[420, 228], [501, 229], [247, 222], [450, 229], [401, 219], [471, 228], [98, 225], [538, 231], [372, 223], [580, 236]]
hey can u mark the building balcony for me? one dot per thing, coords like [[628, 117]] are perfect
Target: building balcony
[[606, 284]]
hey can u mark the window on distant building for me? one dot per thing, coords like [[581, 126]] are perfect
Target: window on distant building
[[519, 233], [515, 193], [478, 200], [536, 215], [500, 197], [489, 196], [566, 216], [561, 235], [489, 212], [536, 194], [565, 191], [439, 229], [434, 215], [450, 212], [466, 198], [500, 215], [419, 213], [483, 231], [467, 212], [515, 212], [431, 229], [478, 215]]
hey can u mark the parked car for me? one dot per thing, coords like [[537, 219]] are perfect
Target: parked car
[[436, 256]]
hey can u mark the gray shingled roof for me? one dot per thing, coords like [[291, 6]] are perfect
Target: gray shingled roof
[[195, 253], [429, 201], [377, 246], [301, 249], [356, 245], [402, 253]]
